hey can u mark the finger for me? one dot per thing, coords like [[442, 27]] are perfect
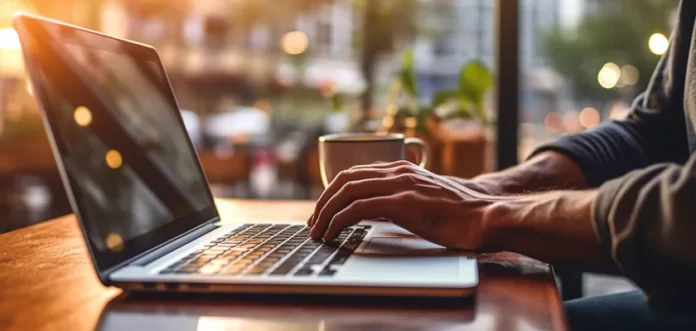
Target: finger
[[343, 177], [309, 220], [383, 165], [357, 190], [395, 168], [390, 207]]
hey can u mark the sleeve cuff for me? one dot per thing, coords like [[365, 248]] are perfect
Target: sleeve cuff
[[568, 147], [601, 208]]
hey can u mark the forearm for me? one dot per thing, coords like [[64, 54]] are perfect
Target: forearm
[[553, 226], [547, 171]]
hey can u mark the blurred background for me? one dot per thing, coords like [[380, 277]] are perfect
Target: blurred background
[[259, 80]]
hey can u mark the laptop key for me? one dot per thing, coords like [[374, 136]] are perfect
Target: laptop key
[[304, 272], [256, 249], [327, 272]]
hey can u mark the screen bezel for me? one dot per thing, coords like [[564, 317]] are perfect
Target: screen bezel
[[107, 261]]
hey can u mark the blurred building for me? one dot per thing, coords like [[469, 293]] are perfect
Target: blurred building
[[210, 53], [464, 30]]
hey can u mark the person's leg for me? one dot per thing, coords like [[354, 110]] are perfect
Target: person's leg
[[623, 311]]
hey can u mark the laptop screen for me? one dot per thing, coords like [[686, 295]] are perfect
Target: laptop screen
[[134, 177]]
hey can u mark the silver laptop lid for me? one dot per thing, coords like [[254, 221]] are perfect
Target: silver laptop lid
[[128, 165]]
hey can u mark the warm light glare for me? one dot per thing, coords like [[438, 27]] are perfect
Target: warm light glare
[[295, 42], [553, 122], [388, 122], [30, 89], [82, 116], [571, 122], [9, 39], [619, 111], [658, 43], [114, 159], [114, 242], [589, 117], [629, 75], [609, 75]]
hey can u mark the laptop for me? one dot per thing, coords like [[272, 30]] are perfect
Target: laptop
[[147, 215]]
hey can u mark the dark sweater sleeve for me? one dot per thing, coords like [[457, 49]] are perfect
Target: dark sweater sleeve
[[645, 210], [654, 131], [647, 220]]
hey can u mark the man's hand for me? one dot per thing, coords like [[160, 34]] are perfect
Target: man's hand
[[552, 226], [433, 207]]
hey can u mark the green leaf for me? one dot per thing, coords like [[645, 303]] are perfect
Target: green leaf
[[465, 106], [475, 80], [479, 110], [408, 74], [441, 97], [336, 102], [447, 109]]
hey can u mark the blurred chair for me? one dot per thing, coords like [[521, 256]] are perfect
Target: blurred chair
[[228, 167], [222, 163], [193, 125], [301, 168], [31, 189]]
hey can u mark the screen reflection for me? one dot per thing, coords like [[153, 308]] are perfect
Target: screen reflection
[[124, 146]]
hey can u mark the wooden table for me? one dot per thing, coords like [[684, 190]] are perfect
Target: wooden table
[[47, 282]]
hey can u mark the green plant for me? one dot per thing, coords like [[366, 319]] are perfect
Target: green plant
[[467, 101], [336, 100]]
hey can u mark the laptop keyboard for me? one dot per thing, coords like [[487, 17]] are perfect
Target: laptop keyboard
[[270, 249]]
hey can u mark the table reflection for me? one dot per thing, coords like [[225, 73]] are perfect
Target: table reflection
[[280, 314], [515, 293]]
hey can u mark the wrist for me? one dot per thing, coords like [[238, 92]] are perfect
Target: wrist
[[514, 222], [497, 222], [546, 171], [494, 184]]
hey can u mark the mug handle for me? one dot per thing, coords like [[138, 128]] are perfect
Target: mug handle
[[423, 150]]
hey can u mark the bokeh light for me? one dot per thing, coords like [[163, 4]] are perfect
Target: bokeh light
[[553, 122], [589, 117], [114, 242], [82, 116], [609, 75], [9, 39], [114, 159], [571, 122], [619, 110], [295, 42], [30, 89], [658, 44], [629, 75]]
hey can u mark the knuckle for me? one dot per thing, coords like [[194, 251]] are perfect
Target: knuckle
[[344, 190], [345, 174], [357, 204], [398, 164], [349, 186], [404, 178], [403, 169]]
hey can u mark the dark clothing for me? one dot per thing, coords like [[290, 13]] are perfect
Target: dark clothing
[[645, 167], [624, 311]]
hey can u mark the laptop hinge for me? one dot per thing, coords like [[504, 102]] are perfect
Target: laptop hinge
[[175, 244]]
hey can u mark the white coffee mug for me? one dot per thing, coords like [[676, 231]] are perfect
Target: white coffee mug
[[338, 152]]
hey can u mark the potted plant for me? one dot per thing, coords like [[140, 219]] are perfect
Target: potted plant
[[454, 122]]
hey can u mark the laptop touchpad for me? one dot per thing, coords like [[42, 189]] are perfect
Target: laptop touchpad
[[409, 259], [403, 246]]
